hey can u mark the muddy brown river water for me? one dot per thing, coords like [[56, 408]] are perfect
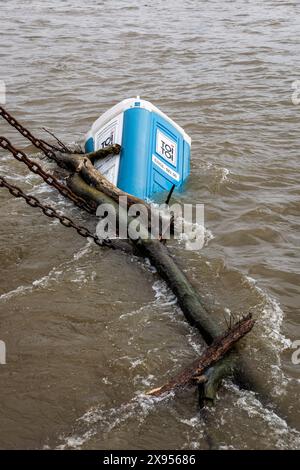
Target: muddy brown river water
[[88, 330]]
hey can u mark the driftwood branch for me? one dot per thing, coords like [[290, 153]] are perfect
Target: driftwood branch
[[193, 374], [102, 153]]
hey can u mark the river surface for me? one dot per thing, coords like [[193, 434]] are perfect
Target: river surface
[[89, 330]]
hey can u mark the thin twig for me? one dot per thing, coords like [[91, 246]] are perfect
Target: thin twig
[[58, 140]]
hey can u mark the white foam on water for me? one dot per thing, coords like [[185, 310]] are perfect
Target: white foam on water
[[270, 322], [138, 311], [76, 442], [136, 362], [15, 292], [164, 297], [195, 429], [193, 340], [42, 282], [15, 177], [193, 231], [98, 420], [163, 294], [146, 382], [83, 250], [152, 269], [285, 437], [224, 447], [79, 276], [194, 421], [224, 174], [208, 236], [272, 312], [41, 189], [221, 173]]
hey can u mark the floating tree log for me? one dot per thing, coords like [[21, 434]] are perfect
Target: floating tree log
[[192, 306], [193, 374], [188, 298]]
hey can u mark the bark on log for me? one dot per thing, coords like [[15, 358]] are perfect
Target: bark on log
[[212, 354], [82, 164]]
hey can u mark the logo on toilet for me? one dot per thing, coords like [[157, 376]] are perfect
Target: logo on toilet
[[166, 148]]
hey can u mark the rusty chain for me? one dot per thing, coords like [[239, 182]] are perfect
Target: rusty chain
[[47, 177], [52, 213], [46, 148]]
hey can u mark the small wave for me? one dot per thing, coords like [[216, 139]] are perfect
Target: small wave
[[15, 292], [53, 275], [270, 322], [164, 297], [42, 282], [98, 420], [272, 317], [84, 250], [138, 311], [42, 188], [284, 436]]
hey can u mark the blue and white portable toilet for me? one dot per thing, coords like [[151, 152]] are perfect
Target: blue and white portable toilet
[[155, 151]]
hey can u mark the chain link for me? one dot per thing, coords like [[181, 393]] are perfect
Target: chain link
[[52, 213], [47, 177]]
